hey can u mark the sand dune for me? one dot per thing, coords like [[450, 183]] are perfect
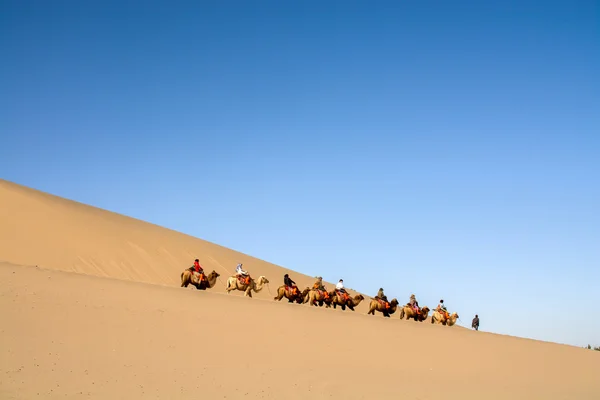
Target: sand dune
[[103, 317], [56, 233]]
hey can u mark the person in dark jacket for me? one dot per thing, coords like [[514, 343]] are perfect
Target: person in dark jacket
[[381, 295], [287, 281], [475, 323]]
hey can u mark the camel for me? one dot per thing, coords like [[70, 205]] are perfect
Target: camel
[[189, 278], [233, 283], [380, 305], [410, 313], [438, 318], [283, 291], [318, 297], [350, 303]]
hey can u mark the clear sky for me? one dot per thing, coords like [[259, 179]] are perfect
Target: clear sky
[[446, 149]]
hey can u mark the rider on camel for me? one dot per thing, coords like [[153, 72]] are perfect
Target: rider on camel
[[288, 282], [239, 272], [441, 308], [318, 285], [197, 268], [414, 303], [381, 295], [340, 289]]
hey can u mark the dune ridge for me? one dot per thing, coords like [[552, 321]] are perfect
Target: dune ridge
[[103, 316]]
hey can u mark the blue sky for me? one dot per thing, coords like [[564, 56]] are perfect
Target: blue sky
[[447, 149]]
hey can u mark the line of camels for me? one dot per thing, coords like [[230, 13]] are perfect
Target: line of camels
[[316, 297]]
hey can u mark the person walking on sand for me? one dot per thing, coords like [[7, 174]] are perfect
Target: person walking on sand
[[475, 323]]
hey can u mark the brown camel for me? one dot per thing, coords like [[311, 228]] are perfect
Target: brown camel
[[343, 303], [386, 308], [410, 313], [207, 282], [440, 319], [284, 291], [233, 283], [318, 297]]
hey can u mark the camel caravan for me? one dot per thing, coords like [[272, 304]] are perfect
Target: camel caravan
[[318, 295]]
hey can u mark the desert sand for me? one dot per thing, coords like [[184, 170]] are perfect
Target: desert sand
[[91, 308]]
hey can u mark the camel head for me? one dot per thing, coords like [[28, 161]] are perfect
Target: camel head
[[394, 302], [425, 310], [262, 279], [213, 275], [455, 315], [359, 297]]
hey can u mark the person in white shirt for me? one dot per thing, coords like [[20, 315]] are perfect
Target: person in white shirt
[[340, 286], [240, 271]]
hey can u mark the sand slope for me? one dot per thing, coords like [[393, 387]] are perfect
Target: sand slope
[[104, 318], [74, 336], [55, 233]]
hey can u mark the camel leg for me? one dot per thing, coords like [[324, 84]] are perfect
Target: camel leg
[[185, 280]]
